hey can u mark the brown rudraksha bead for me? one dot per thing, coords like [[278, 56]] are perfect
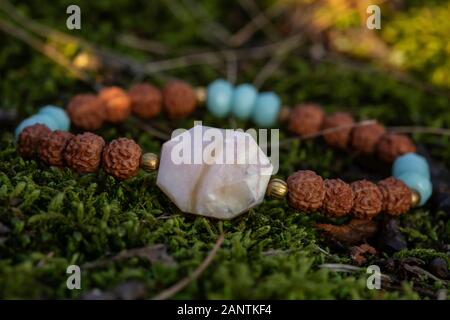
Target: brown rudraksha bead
[[121, 158], [338, 198], [367, 199], [396, 196], [393, 145], [52, 145], [83, 152], [364, 139], [146, 100], [306, 190], [117, 104], [29, 139], [306, 119], [86, 111], [179, 99], [341, 136]]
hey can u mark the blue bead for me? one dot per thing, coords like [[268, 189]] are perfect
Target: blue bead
[[244, 98], [411, 162], [265, 112], [218, 101], [418, 183], [38, 118], [58, 114]]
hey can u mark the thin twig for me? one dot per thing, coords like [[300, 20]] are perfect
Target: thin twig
[[326, 131], [169, 292], [402, 77], [47, 50], [134, 42], [260, 21], [217, 57], [107, 56], [151, 130], [340, 267], [211, 27], [416, 129], [273, 64], [232, 67]]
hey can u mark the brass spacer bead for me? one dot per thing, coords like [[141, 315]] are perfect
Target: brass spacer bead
[[149, 162], [201, 93], [283, 115], [415, 198], [277, 189]]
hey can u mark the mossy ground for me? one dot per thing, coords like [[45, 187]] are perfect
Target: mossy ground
[[56, 217]]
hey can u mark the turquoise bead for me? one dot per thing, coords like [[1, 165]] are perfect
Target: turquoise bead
[[244, 98], [38, 118], [58, 114], [411, 162], [418, 183], [265, 112], [220, 94]]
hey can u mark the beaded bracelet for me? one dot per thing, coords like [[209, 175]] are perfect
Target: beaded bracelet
[[307, 191], [179, 99], [222, 190]]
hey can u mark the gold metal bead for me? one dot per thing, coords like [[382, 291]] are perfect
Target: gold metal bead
[[415, 198], [277, 189], [149, 162], [201, 94], [284, 113]]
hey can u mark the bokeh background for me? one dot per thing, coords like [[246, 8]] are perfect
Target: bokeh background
[[304, 50]]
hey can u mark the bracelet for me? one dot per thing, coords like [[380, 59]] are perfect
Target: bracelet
[[178, 99], [235, 192], [224, 191]]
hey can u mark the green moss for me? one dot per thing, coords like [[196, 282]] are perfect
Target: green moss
[[57, 217]]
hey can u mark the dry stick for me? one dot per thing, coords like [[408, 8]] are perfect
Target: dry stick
[[397, 75], [214, 57], [427, 130], [414, 129], [277, 59], [152, 131], [259, 18], [212, 27], [258, 22], [134, 42], [212, 31], [47, 32], [211, 58], [329, 130], [232, 67], [169, 292], [38, 28], [47, 50]]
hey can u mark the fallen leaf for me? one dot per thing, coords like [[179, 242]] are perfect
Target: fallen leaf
[[355, 232], [358, 253]]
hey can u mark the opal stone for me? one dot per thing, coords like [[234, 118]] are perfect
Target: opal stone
[[58, 114], [244, 98], [419, 183], [218, 101], [411, 162], [265, 112], [214, 172]]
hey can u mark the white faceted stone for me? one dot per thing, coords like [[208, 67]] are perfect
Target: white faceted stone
[[214, 172]]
